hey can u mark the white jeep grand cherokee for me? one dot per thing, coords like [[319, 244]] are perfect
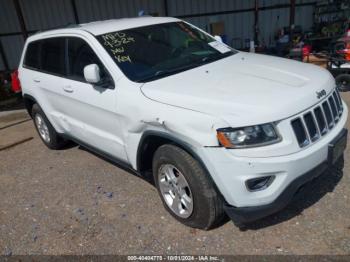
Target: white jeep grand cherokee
[[221, 131]]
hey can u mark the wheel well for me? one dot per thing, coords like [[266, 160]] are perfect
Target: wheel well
[[149, 144], [148, 147], [28, 103]]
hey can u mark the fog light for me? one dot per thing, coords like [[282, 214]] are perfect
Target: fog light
[[260, 183]]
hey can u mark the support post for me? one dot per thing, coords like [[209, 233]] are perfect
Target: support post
[[75, 11], [166, 10], [256, 22], [21, 19], [292, 18], [3, 57]]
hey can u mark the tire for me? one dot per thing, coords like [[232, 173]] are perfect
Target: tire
[[45, 130], [343, 82], [206, 210]]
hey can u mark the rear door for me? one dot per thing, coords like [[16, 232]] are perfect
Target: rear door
[[48, 76]]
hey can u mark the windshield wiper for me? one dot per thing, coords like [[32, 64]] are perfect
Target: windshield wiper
[[196, 62], [214, 57], [167, 72]]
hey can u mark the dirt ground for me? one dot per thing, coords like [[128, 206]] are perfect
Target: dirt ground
[[74, 202]]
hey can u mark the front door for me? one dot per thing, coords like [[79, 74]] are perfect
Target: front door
[[90, 110]]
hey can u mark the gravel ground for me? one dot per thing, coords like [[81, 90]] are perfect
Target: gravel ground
[[73, 202]]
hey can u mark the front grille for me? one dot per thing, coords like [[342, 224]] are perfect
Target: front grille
[[315, 123]]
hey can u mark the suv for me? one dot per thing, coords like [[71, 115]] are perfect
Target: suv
[[220, 131]]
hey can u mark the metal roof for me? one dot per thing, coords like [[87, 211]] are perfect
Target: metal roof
[[102, 27], [106, 26]]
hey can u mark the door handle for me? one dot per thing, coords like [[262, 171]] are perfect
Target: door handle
[[68, 89], [36, 80]]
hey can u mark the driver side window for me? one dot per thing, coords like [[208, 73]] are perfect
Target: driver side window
[[80, 54]]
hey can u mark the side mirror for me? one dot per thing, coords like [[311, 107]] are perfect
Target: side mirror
[[218, 38], [92, 74]]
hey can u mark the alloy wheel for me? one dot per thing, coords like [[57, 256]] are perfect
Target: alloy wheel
[[175, 190], [42, 128]]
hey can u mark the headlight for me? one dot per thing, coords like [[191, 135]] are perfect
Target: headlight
[[250, 136]]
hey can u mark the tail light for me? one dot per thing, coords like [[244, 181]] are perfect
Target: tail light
[[16, 85]]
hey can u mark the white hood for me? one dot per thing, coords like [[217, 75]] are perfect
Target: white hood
[[244, 89]]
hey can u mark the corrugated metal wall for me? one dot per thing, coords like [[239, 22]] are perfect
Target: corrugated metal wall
[[13, 48], [92, 10], [188, 7], [8, 23], [304, 17], [272, 20], [41, 14], [239, 27]]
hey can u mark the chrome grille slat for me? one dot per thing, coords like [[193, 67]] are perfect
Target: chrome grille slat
[[334, 110], [317, 122], [321, 120], [338, 103], [305, 128], [339, 98], [311, 126], [335, 97], [328, 114]]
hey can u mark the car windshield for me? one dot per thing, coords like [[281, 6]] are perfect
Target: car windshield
[[152, 52]]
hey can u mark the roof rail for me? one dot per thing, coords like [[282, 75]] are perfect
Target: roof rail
[[69, 25]]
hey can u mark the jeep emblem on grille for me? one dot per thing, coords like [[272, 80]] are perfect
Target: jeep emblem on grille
[[321, 93]]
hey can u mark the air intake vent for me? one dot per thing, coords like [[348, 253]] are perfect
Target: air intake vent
[[311, 126], [300, 132], [328, 114], [321, 121], [335, 112]]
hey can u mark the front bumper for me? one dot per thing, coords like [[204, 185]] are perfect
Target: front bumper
[[230, 169], [242, 215]]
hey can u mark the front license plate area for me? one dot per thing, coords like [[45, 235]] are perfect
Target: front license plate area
[[337, 147]]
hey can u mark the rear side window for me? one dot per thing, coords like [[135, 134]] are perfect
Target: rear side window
[[32, 55], [53, 56], [80, 54]]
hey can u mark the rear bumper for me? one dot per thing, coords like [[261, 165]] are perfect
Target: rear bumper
[[242, 215]]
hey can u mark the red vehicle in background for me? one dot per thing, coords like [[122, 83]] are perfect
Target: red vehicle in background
[[342, 47]]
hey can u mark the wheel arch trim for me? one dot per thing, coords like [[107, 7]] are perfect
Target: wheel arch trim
[[27, 97], [166, 136], [184, 145]]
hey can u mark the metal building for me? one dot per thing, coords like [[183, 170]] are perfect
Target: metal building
[[241, 18]]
